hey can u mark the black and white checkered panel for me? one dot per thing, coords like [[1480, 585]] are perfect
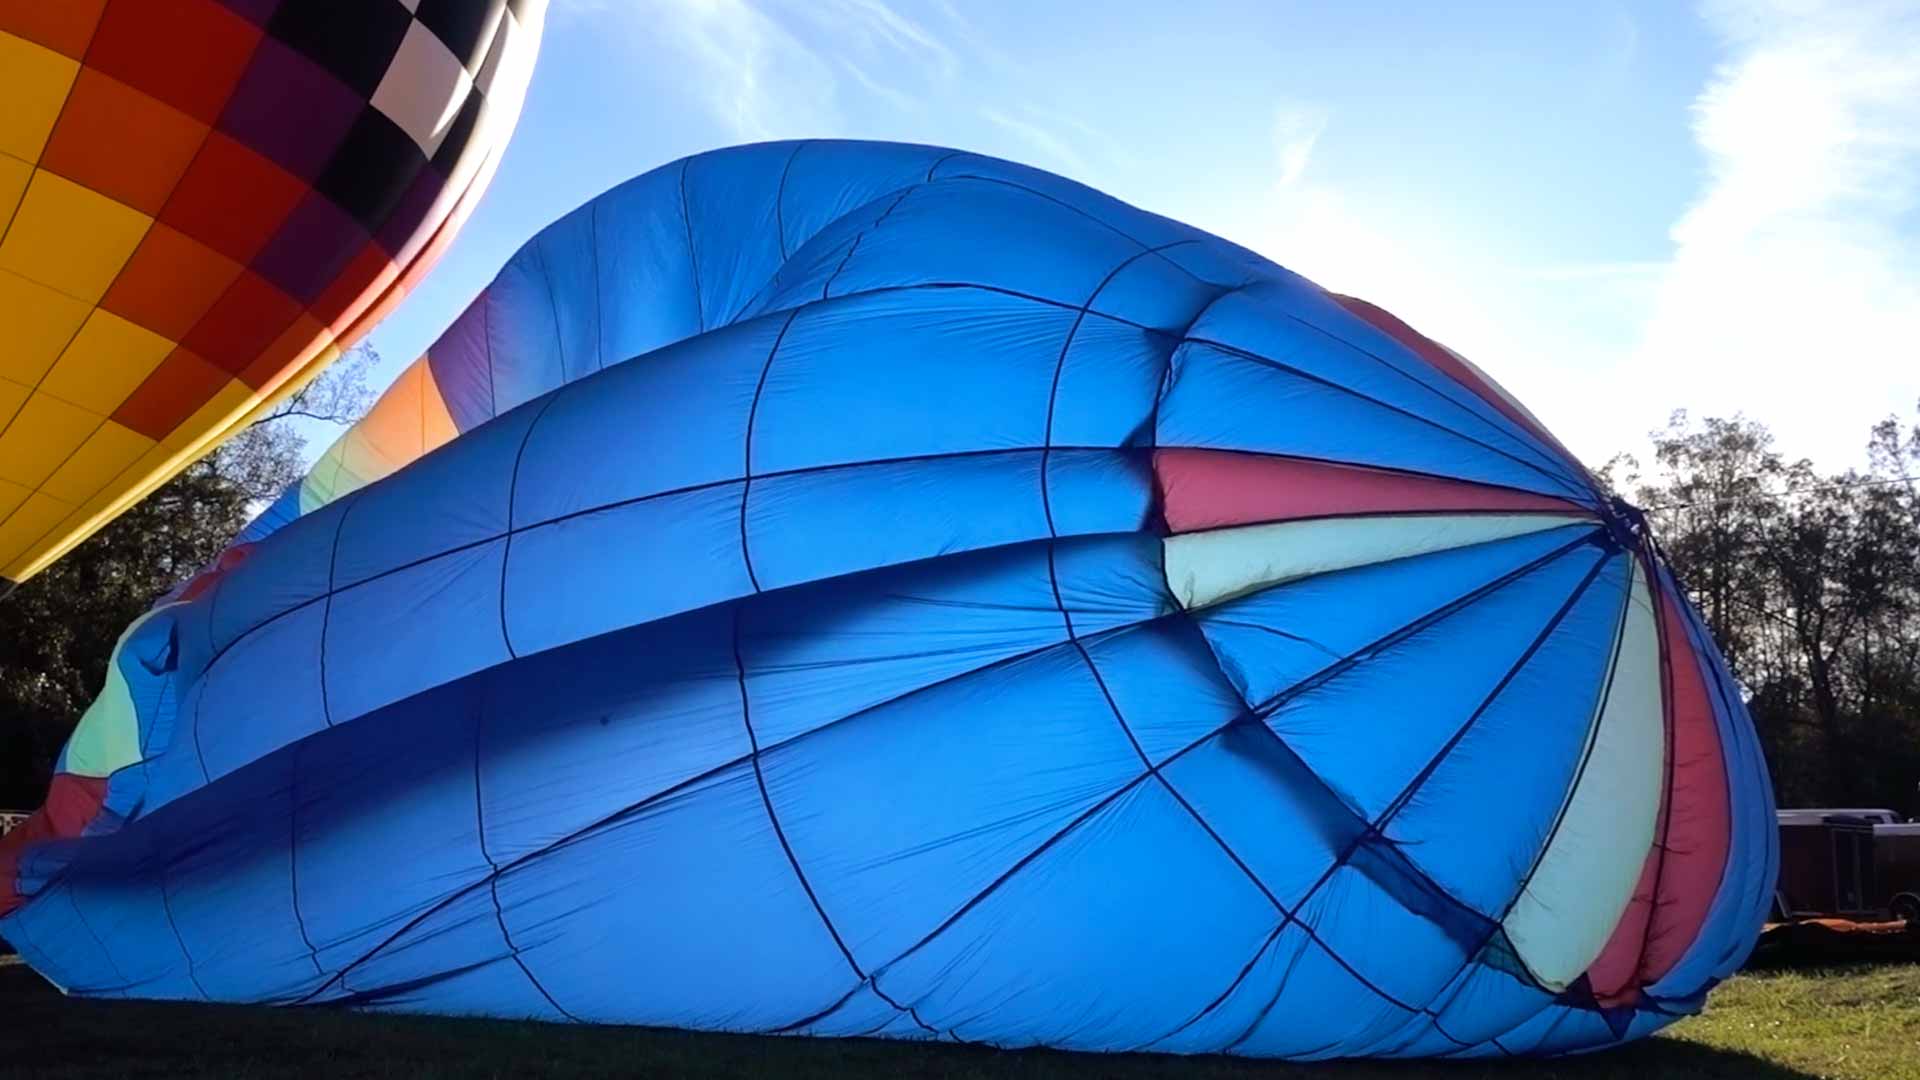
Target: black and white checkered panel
[[501, 72], [354, 40], [373, 169], [428, 80], [426, 70]]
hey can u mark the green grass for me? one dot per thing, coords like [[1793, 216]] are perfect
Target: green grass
[[1849, 1024]]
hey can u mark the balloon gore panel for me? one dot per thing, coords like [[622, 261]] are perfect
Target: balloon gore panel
[[863, 589]]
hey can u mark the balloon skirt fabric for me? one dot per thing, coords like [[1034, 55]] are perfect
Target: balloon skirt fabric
[[201, 203], [863, 589]]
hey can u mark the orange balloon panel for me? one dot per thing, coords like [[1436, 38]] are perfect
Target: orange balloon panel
[[201, 203]]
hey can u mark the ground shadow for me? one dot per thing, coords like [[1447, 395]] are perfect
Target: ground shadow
[[43, 1034]]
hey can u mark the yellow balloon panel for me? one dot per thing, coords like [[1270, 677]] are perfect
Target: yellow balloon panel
[[33, 83], [43, 432], [39, 324], [106, 361], [181, 241], [106, 453], [70, 238]]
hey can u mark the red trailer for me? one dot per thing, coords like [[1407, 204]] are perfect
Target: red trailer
[[1896, 868], [1857, 864]]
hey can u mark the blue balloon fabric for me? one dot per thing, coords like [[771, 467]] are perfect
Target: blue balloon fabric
[[844, 588]]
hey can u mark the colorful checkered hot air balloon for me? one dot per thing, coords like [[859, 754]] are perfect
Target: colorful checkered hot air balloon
[[201, 203], [861, 589]]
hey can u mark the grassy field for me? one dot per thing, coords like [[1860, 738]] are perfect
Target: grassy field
[[1859, 1023]]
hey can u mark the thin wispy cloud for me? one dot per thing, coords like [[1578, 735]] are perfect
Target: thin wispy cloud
[[892, 95], [1305, 225], [968, 38], [1089, 141], [1314, 227], [1342, 239], [756, 75], [876, 27], [1618, 49], [783, 70], [1296, 129], [1055, 150]]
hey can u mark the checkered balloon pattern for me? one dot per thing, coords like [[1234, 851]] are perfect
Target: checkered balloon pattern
[[201, 203]]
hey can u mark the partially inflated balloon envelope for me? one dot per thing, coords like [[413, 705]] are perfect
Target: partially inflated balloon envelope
[[861, 589], [201, 203]]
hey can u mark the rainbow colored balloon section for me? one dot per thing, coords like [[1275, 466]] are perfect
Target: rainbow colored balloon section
[[863, 589], [201, 203]]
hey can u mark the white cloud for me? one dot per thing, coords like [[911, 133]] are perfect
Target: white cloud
[[1794, 288], [1792, 291]]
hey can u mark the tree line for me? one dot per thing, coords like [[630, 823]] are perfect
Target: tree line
[[1810, 582]]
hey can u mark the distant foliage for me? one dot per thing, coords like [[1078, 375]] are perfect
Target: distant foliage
[[1811, 583], [58, 629]]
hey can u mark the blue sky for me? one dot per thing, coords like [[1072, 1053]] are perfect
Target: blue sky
[[1617, 209]]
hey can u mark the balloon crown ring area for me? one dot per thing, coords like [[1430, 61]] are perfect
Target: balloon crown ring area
[[1626, 522]]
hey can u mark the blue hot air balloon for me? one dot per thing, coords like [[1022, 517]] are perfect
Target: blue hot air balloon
[[863, 589]]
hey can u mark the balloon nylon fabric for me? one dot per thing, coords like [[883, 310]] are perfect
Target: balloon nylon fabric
[[865, 589], [202, 202]]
